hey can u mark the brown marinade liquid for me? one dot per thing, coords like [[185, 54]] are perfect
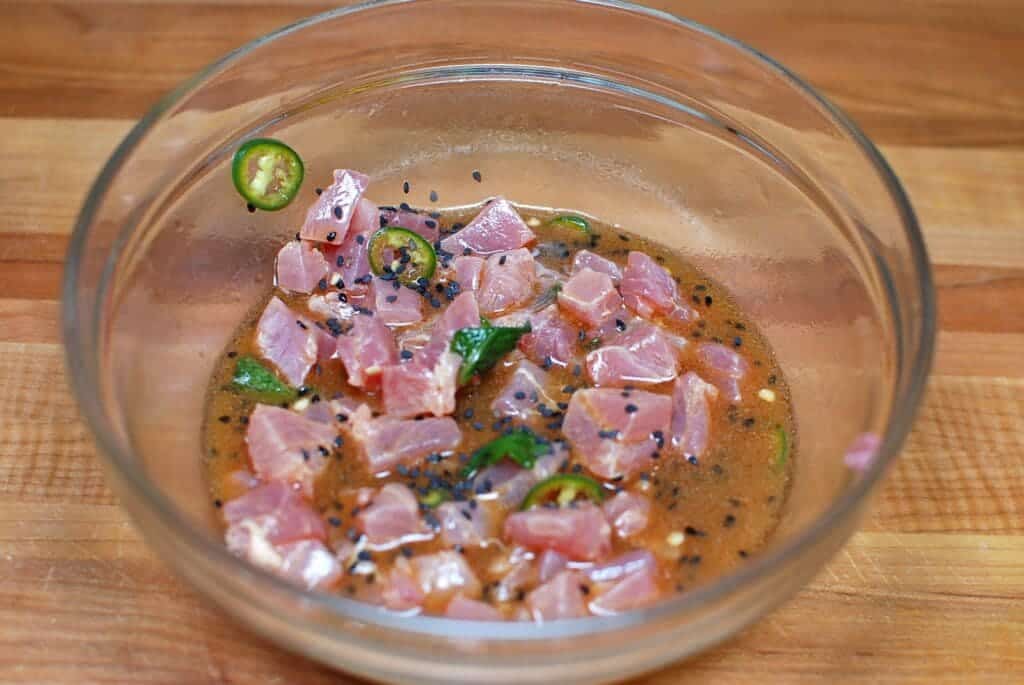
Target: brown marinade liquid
[[726, 505]]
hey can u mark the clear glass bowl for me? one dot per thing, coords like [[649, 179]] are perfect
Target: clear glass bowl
[[630, 114]]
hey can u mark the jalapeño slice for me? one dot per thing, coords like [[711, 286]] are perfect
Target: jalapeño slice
[[267, 173], [563, 489], [399, 254]]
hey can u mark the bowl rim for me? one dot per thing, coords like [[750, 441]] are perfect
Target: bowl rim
[[897, 427]]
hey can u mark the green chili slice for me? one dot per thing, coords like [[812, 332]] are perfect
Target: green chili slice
[[400, 254], [434, 498], [267, 173], [573, 221], [563, 488]]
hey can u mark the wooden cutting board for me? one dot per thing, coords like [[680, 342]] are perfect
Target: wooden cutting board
[[932, 589]]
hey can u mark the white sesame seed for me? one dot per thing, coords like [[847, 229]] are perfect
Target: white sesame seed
[[676, 538], [336, 279], [301, 404], [533, 222], [766, 394]]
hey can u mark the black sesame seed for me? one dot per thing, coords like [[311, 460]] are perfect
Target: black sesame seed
[[502, 260], [477, 176], [729, 520], [737, 341], [232, 354], [318, 191], [360, 239], [405, 187], [693, 459], [338, 213], [748, 422], [631, 408], [224, 419], [620, 324], [743, 553], [251, 207], [468, 413], [217, 503], [332, 236], [708, 300], [433, 196]]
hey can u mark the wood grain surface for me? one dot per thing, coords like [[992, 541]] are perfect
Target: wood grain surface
[[931, 590]]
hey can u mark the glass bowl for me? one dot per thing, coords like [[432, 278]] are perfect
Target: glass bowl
[[630, 114]]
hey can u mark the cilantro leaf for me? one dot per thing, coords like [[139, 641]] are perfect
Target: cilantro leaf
[[522, 446], [481, 348], [254, 379]]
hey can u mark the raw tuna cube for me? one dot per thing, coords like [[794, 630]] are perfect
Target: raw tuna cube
[[496, 228], [327, 221]]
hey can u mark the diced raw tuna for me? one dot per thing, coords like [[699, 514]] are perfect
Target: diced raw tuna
[[862, 452], [326, 411], [366, 349], [300, 267], [643, 354], [400, 307], [691, 419], [468, 271], [468, 526], [550, 564], [590, 297], [636, 590], [410, 388], [524, 393], [350, 259], [463, 312], [392, 518], [510, 482], [615, 435], [471, 610], [277, 511], [445, 573], [621, 566], [628, 513], [287, 340], [518, 573], [546, 278], [507, 281], [725, 367], [310, 564], [286, 446], [647, 288], [586, 259], [581, 533], [330, 307], [420, 223], [401, 590], [496, 228], [327, 221], [551, 337], [560, 597], [272, 527], [386, 442]]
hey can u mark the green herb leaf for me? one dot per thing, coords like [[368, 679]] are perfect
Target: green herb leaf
[[781, 447], [481, 348], [572, 221], [254, 379], [523, 447]]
